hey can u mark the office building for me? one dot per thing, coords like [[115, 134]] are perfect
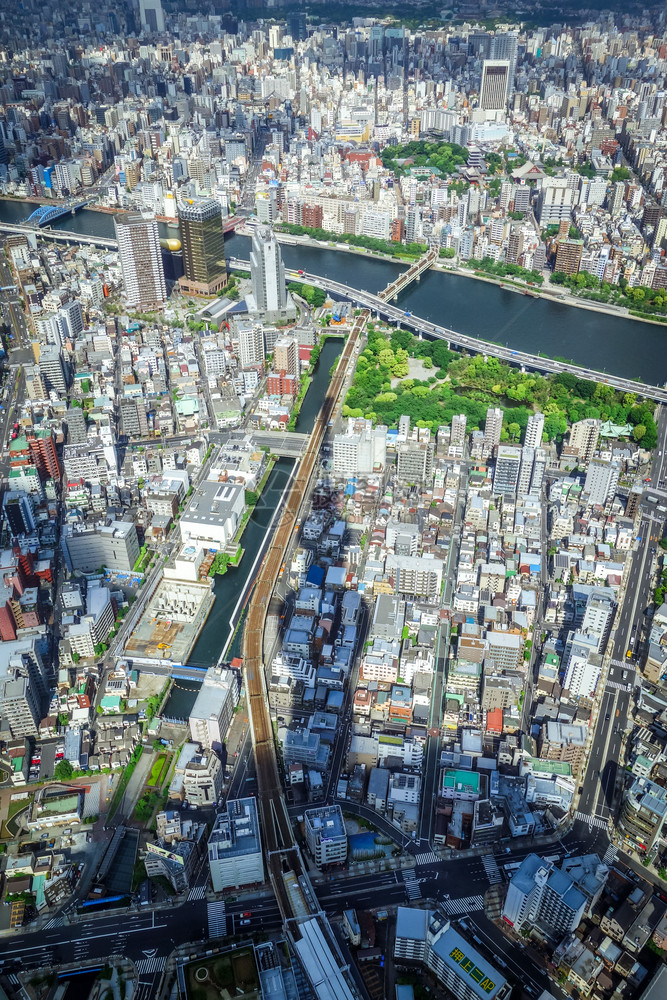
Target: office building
[[270, 299], [213, 710], [584, 436], [583, 669], [296, 26], [286, 355], [325, 835], [114, 545], [427, 936], [601, 481], [505, 45], [506, 474], [213, 513], [235, 848], [495, 84], [534, 430], [19, 514], [542, 894], [203, 780], [492, 428], [203, 243], [643, 814], [151, 15], [361, 449], [175, 862], [140, 260], [555, 202]]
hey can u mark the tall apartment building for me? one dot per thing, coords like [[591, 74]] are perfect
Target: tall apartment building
[[506, 473], [203, 242], [492, 428], [212, 712], [495, 84], [286, 355], [20, 705], [325, 835], [584, 436], [561, 741], [534, 430], [270, 298], [414, 462], [458, 435], [140, 260], [251, 344], [601, 481], [235, 847], [540, 893], [52, 370], [568, 256], [526, 470], [415, 576]]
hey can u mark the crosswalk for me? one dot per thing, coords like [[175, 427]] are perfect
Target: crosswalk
[[55, 922], [147, 966], [618, 686], [427, 858], [619, 663], [599, 821], [491, 868], [13, 978], [412, 889], [196, 892], [217, 921], [610, 855], [458, 907]]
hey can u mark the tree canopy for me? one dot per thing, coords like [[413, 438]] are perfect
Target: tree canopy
[[444, 156]]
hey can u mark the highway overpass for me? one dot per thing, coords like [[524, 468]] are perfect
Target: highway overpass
[[59, 235], [475, 345]]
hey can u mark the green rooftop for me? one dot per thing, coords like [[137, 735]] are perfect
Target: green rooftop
[[468, 780], [560, 767]]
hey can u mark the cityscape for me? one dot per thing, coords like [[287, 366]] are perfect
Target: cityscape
[[333, 518]]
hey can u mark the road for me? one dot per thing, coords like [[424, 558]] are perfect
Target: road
[[421, 326]]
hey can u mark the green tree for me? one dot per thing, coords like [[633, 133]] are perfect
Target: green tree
[[639, 432], [63, 770]]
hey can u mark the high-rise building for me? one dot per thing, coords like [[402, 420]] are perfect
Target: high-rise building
[[251, 344], [540, 892], [526, 470], [534, 429], [325, 835], [140, 260], [495, 84], [584, 435], [270, 298], [506, 475], [235, 847], [492, 428], [568, 256], [296, 25], [414, 463], [505, 45], [458, 437], [203, 243], [286, 355], [601, 481], [361, 450], [642, 814], [213, 710], [152, 16], [52, 370]]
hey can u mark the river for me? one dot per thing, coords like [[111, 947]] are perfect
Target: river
[[615, 344]]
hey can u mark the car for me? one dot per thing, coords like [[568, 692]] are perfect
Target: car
[[248, 913], [607, 717], [300, 272], [244, 923]]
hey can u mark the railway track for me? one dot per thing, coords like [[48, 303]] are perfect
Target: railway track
[[280, 848]]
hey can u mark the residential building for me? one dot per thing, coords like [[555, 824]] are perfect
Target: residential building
[[286, 355], [643, 814], [492, 428], [213, 710], [251, 345], [414, 462], [539, 893], [584, 436], [601, 481], [506, 474], [360, 450], [140, 260]]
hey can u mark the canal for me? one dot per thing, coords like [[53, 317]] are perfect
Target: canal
[[312, 402], [614, 344]]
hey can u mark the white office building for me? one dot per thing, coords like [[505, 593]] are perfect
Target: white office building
[[212, 712], [325, 835], [235, 847], [270, 298]]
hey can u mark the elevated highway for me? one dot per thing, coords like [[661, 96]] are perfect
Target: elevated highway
[[475, 345], [286, 871], [58, 235]]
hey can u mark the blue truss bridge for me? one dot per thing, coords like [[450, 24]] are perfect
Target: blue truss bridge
[[44, 215]]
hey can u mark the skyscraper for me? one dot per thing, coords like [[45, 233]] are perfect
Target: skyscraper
[[151, 14], [270, 298], [140, 260], [203, 242], [296, 25], [495, 80], [505, 46]]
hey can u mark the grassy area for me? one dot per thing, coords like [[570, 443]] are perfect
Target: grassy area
[[16, 805], [124, 781], [146, 806], [158, 770]]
